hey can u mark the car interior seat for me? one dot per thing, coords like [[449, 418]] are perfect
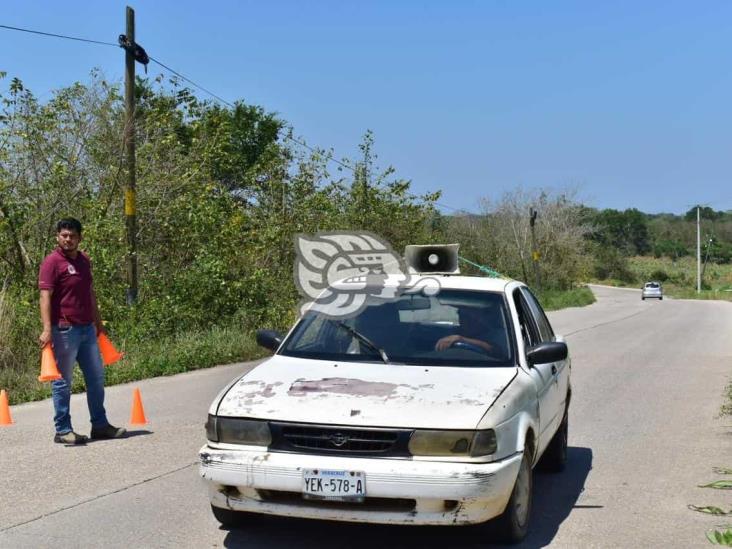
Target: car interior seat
[[380, 323]]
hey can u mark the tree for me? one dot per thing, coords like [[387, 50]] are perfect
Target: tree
[[627, 231], [500, 237], [220, 195]]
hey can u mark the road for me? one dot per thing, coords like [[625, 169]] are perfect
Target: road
[[645, 431]]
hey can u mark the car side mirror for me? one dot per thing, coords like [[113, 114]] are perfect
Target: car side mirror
[[543, 353], [269, 339]]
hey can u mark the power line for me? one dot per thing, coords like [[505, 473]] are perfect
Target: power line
[[178, 74], [212, 94], [58, 35], [329, 157]]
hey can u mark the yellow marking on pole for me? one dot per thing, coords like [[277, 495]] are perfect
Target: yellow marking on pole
[[535, 255], [130, 202]]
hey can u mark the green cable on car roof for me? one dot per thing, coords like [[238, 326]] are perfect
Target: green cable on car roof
[[482, 268]]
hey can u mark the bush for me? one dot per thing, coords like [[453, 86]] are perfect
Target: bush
[[552, 300], [609, 263], [659, 275], [669, 248]]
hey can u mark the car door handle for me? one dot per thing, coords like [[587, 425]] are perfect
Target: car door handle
[[554, 370]]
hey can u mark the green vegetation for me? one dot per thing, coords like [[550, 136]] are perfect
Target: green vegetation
[[552, 300], [717, 537], [221, 192], [720, 537], [727, 406], [160, 357], [679, 277]]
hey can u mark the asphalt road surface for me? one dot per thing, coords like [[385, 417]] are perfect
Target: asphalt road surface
[[645, 431]]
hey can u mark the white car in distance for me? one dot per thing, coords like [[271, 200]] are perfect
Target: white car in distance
[[651, 289], [419, 410]]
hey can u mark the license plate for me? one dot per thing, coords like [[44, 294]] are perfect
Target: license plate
[[333, 485]]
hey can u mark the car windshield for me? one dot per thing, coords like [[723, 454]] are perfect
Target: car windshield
[[652, 285], [452, 328]]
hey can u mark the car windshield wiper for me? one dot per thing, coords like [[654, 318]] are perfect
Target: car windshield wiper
[[358, 335]]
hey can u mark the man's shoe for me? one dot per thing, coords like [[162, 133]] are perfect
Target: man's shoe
[[108, 431], [70, 438]]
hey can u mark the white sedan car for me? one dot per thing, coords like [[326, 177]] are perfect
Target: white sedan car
[[424, 409]]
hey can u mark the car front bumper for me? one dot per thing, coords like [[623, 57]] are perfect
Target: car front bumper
[[398, 491]]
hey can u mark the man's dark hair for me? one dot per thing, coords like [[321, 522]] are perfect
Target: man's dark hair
[[69, 223]]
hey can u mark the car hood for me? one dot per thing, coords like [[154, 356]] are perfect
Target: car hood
[[365, 394]]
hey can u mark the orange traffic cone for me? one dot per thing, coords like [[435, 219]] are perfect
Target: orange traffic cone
[[5, 418], [110, 355], [138, 412], [49, 370]]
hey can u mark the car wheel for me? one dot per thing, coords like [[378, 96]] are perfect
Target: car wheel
[[227, 517], [555, 456], [643, 298], [513, 524], [660, 298]]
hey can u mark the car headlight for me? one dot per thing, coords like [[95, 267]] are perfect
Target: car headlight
[[453, 443], [234, 430], [211, 432]]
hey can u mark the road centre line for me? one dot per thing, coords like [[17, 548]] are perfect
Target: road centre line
[[605, 323]]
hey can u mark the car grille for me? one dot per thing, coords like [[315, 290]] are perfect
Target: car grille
[[335, 440]]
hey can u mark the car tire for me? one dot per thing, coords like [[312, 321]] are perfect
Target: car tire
[[227, 517], [554, 459], [660, 298], [643, 298], [513, 524]]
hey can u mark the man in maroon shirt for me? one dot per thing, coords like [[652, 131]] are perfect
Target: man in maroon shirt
[[71, 322]]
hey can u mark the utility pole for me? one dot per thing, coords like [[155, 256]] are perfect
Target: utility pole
[[534, 252], [130, 197], [698, 252]]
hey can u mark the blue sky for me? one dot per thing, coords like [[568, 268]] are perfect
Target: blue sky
[[631, 102]]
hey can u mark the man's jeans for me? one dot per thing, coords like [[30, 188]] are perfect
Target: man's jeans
[[72, 344]]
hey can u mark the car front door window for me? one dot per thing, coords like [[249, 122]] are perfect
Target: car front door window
[[542, 322]]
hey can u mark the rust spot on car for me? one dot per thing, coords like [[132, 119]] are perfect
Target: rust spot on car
[[471, 402], [262, 390], [341, 385], [481, 477], [256, 460]]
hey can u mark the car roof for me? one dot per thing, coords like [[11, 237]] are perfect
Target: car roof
[[451, 282]]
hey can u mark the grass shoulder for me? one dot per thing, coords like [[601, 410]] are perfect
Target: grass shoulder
[[553, 300], [153, 358]]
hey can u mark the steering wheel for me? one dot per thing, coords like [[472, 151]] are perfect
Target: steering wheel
[[469, 347]]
